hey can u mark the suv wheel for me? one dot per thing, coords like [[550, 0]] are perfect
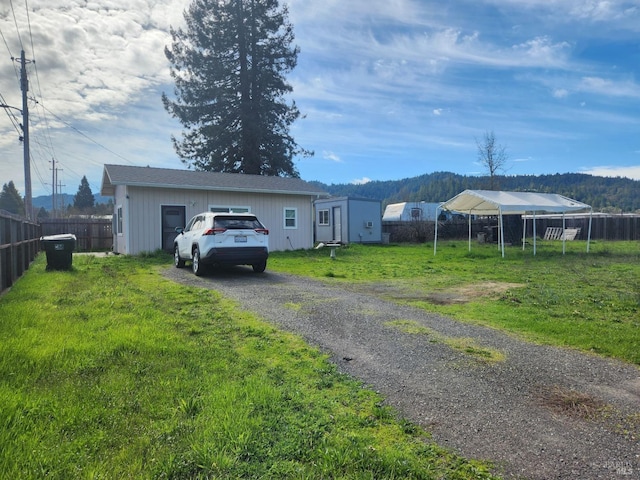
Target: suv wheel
[[259, 267], [195, 263], [177, 261]]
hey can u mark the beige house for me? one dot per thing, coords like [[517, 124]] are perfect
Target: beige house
[[151, 202]]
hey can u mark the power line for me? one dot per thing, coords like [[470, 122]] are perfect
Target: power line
[[35, 68], [88, 137], [11, 115], [47, 132], [5, 43], [15, 21], [15, 70]]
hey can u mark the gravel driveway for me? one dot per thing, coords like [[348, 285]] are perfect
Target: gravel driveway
[[541, 413]]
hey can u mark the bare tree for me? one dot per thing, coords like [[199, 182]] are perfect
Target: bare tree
[[492, 156]]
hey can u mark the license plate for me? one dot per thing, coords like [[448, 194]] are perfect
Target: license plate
[[241, 239]]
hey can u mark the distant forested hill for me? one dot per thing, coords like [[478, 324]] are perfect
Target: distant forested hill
[[602, 193]]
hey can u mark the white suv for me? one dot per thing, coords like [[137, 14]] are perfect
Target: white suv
[[222, 239]]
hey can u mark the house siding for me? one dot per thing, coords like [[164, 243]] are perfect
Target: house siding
[[361, 212], [142, 225]]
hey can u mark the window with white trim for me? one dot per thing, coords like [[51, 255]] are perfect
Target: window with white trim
[[290, 218], [323, 217]]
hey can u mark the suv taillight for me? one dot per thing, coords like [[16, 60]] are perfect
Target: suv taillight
[[263, 231], [214, 231]]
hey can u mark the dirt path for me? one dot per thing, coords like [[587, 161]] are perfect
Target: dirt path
[[537, 412]]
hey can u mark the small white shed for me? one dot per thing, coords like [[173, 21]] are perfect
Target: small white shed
[[348, 220]]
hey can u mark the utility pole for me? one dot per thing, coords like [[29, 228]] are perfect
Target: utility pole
[[61, 195], [53, 187], [24, 86]]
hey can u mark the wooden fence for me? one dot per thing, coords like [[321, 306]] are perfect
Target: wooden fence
[[19, 245], [92, 234]]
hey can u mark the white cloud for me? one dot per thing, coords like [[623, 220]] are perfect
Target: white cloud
[[92, 56], [560, 93], [361, 181], [632, 171], [541, 51], [604, 10], [623, 14], [603, 86], [331, 156]]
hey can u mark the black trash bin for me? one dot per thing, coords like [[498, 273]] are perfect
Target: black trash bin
[[59, 250]]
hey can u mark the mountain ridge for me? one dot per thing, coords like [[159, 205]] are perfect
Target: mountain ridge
[[617, 194]]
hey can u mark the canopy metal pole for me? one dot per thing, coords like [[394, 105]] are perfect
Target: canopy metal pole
[[535, 235], [469, 231], [501, 231], [524, 229], [435, 235], [589, 234], [564, 235]]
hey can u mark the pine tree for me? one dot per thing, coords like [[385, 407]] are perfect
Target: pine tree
[[84, 200], [10, 199], [42, 213], [229, 68]]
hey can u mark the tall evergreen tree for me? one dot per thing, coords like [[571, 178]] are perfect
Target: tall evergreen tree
[[10, 199], [229, 67], [84, 199]]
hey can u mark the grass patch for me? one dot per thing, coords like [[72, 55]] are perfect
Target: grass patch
[[111, 371], [588, 301], [410, 326], [479, 352], [465, 345], [293, 306]]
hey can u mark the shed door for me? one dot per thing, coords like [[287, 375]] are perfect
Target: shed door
[[337, 224], [172, 217]]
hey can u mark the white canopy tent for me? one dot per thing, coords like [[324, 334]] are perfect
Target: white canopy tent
[[488, 202]]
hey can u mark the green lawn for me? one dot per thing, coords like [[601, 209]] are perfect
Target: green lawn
[[110, 371], [588, 301]]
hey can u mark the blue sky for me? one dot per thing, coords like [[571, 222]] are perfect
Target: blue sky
[[390, 88]]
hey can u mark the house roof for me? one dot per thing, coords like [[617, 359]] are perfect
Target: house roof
[[488, 202], [114, 175]]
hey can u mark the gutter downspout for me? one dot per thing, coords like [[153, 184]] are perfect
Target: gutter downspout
[[535, 234], [564, 235], [126, 213], [501, 230], [469, 231]]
